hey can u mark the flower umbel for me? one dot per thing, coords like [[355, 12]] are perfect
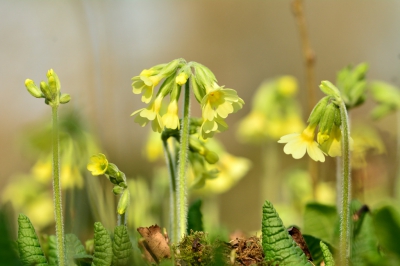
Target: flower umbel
[[98, 164], [298, 144]]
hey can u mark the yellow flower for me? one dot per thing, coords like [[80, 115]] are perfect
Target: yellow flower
[[181, 78], [220, 102], [208, 128], [98, 164], [145, 83], [151, 113], [298, 144], [171, 118], [332, 144]]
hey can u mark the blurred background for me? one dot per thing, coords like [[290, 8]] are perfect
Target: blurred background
[[96, 47]]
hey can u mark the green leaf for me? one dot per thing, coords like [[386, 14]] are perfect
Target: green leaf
[[53, 253], [313, 244], [365, 241], [28, 243], [102, 246], [8, 250], [328, 258], [122, 246], [320, 221], [279, 247], [75, 250], [387, 227], [195, 217]]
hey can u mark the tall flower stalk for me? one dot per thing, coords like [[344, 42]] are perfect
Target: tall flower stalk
[[216, 103], [50, 91], [328, 118]]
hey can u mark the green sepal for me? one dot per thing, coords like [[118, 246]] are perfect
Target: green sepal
[[28, 243], [167, 86], [195, 217], [44, 87], [198, 90], [328, 258], [171, 67], [33, 89], [328, 118], [102, 246], [329, 89], [65, 98], [121, 247], [318, 110], [123, 202], [279, 247]]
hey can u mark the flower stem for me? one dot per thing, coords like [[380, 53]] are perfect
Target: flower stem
[[345, 225], [57, 191], [173, 202], [182, 165]]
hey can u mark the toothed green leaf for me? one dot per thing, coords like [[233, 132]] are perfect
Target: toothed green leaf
[[122, 246], [102, 246], [53, 254], [279, 248], [28, 243], [326, 253]]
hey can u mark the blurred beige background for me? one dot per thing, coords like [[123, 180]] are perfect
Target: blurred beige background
[[96, 47]]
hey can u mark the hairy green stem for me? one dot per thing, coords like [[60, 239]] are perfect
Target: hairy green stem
[[182, 165], [345, 225], [172, 190], [57, 191]]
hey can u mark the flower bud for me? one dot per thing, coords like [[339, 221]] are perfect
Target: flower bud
[[54, 82], [318, 111], [65, 98], [170, 68], [328, 119], [198, 91], [33, 89], [211, 157], [44, 87], [329, 89], [181, 78], [117, 190], [123, 203]]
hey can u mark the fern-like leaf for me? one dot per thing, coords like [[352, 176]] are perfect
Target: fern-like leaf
[[28, 243], [102, 246], [279, 248], [326, 253], [122, 246]]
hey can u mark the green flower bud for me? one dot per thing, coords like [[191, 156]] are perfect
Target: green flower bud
[[117, 190], [54, 82], [65, 98], [328, 119], [203, 76], [167, 86], [33, 89], [198, 90], [44, 87], [211, 157], [329, 89], [318, 111], [123, 203], [170, 68]]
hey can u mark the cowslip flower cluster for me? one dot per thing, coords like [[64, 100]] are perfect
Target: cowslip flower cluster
[[216, 101], [324, 126]]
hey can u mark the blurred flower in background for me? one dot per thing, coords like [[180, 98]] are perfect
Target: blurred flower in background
[[274, 112], [30, 193]]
